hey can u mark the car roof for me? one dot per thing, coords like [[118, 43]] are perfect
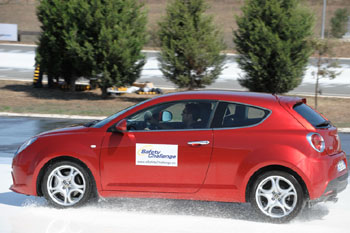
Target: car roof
[[252, 98]]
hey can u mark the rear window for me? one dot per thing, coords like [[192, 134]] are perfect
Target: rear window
[[313, 117]]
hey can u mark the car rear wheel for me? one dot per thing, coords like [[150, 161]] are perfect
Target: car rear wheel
[[67, 184], [277, 196]]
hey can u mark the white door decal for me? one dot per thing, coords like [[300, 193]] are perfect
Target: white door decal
[[156, 155]]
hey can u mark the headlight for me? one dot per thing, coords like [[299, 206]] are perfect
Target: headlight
[[25, 145]]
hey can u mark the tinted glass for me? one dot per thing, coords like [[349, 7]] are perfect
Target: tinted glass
[[191, 114], [230, 115], [313, 117]]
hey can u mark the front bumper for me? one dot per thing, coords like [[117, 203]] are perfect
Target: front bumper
[[22, 175], [21, 182]]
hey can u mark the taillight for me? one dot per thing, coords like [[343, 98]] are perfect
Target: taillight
[[316, 141], [337, 141]]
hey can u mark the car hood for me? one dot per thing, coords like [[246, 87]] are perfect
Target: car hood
[[67, 130]]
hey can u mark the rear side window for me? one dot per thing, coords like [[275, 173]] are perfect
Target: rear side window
[[231, 115], [313, 117]]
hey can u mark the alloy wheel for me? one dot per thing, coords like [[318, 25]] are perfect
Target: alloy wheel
[[66, 185], [276, 196]]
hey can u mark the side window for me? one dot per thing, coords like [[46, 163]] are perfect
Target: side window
[[255, 113], [190, 114], [230, 115]]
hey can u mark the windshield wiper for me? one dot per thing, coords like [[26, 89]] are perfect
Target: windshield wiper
[[91, 123], [323, 124]]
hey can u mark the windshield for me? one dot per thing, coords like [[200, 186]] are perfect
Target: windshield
[[112, 117]]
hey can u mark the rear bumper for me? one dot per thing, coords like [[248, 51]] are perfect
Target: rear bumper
[[337, 185], [333, 188]]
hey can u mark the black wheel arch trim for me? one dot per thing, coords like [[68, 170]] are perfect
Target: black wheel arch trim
[[274, 168]]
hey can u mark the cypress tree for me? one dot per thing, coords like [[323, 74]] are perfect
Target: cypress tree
[[51, 51], [190, 45], [121, 31], [339, 22], [271, 40], [97, 38]]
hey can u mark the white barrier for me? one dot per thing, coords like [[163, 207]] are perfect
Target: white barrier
[[8, 32]]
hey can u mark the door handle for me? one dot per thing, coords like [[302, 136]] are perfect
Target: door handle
[[198, 143]]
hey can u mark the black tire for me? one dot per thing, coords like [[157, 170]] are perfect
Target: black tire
[[277, 205], [73, 186]]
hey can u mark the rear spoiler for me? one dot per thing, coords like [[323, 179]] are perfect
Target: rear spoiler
[[290, 101]]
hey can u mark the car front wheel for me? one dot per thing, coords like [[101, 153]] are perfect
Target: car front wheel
[[277, 196], [67, 184]]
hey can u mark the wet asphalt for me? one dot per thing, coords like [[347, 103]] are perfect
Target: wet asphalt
[[16, 130]]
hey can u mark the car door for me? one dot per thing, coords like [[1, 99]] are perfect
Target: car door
[[236, 130], [169, 157]]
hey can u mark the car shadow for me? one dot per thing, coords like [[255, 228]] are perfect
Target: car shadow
[[238, 211], [241, 211], [16, 199], [317, 212]]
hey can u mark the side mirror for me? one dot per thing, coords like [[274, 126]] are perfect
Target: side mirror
[[166, 116], [120, 127]]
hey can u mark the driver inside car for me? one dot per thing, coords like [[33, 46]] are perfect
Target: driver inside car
[[191, 116]]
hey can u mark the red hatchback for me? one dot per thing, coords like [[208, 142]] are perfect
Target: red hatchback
[[275, 152]]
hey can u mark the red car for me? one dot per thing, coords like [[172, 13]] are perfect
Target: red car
[[272, 151]]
